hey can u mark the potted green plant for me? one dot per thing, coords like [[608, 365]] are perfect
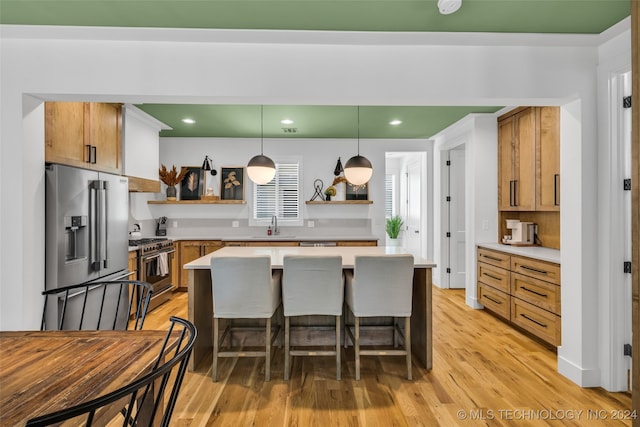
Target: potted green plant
[[393, 227]]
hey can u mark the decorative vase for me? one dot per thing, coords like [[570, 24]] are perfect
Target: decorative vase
[[393, 242], [327, 198], [341, 190], [171, 192]]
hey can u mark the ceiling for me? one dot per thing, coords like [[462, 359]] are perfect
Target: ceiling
[[499, 16]]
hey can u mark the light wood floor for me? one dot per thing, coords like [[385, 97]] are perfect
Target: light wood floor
[[484, 373]]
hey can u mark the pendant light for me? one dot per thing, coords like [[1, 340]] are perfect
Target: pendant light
[[358, 169], [261, 169]]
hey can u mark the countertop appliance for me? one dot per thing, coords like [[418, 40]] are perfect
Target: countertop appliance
[[522, 233], [155, 258], [85, 230]]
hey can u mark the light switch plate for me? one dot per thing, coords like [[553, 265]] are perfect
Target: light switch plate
[[235, 224], [311, 224], [175, 224]]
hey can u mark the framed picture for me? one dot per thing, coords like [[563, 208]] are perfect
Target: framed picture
[[232, 183], [357, 192], [191, 185]]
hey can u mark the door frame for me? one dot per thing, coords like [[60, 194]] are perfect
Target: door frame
[[612, 232], [441, 277]]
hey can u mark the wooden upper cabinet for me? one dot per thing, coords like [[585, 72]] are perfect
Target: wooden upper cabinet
[[64, 133], [548, 159], [84, 134], [105, 134], [517, 161]]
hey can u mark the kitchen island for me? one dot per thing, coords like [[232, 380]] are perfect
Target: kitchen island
[[201, 302]]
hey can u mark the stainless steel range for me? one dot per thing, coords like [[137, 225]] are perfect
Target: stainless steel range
[[155, 257]]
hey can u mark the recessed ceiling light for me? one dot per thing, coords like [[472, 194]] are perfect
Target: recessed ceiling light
[[188, 121], [395, 122], [447, 7], [286, 121]]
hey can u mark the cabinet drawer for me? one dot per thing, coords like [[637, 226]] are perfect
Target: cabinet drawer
[[499, 259], [494, 300], [543, 270], [493, 276], [539, 322], [537, 292]]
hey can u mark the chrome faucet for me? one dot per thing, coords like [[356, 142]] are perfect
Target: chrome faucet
[[274, 223]]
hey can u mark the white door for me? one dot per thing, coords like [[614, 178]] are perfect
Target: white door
[[413, 232], [457, 219]]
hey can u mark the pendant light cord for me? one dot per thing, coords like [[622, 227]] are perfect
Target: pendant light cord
[[261, 130], [358, 130]]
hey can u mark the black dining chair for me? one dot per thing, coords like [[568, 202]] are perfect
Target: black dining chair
[[113, 305], [148, 400]]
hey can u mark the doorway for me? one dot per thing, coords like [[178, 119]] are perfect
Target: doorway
[[406, 195]]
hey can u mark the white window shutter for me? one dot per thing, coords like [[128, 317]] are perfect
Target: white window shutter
[[281, 196]]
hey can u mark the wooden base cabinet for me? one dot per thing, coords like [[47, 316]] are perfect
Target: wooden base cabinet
[[521, 290], [190, 250]]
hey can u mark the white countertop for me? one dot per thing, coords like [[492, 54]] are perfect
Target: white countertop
[[536, 252], [274, 238], [277, 253]]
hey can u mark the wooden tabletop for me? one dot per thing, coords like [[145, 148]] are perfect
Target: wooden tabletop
[[42, 372]]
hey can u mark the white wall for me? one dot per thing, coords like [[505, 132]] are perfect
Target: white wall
[[140, 151], [318, 159], [478, 134], [155, 65]]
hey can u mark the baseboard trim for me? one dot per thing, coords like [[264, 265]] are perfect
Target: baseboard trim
[[580, 376]]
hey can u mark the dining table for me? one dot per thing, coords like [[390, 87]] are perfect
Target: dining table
[[200, 300], [46, 371]]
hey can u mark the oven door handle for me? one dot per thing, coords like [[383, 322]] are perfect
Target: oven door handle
[[157, 255]]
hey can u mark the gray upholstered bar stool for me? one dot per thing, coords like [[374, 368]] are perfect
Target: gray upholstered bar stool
[[381, 285], [244, 288], [311, 285]]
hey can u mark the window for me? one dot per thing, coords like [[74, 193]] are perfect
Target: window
[[389, 195], [280, 197]]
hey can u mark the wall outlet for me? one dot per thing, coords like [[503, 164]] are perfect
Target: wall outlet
[[235, 224], [485, 224], [175, 224], [311, 224]]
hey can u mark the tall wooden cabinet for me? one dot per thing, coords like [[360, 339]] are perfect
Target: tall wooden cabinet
[[529, 159], [84, 134], [529, 171], [548, 159], [517, 161]]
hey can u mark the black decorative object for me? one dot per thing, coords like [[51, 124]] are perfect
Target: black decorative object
[[232, 183], [339, 169], [318, 184], [192, 183]]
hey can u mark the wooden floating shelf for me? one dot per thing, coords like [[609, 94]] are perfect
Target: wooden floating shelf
[[339, 202], [196, 202]]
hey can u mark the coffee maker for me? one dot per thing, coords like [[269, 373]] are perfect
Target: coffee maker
[[522, 233]]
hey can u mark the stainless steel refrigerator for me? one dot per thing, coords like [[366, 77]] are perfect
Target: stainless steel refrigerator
[[86, 229]]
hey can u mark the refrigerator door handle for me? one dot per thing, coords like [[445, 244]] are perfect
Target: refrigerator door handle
[[96, 214], [102, 224], [94, 230], [105, 224]]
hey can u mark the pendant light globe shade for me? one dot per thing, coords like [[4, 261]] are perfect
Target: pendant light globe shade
[[358, 170], [261, 169]]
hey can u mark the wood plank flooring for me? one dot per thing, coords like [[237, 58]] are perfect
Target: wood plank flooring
[[484, 374]]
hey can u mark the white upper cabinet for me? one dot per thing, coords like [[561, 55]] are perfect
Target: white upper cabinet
[[141, 151]]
